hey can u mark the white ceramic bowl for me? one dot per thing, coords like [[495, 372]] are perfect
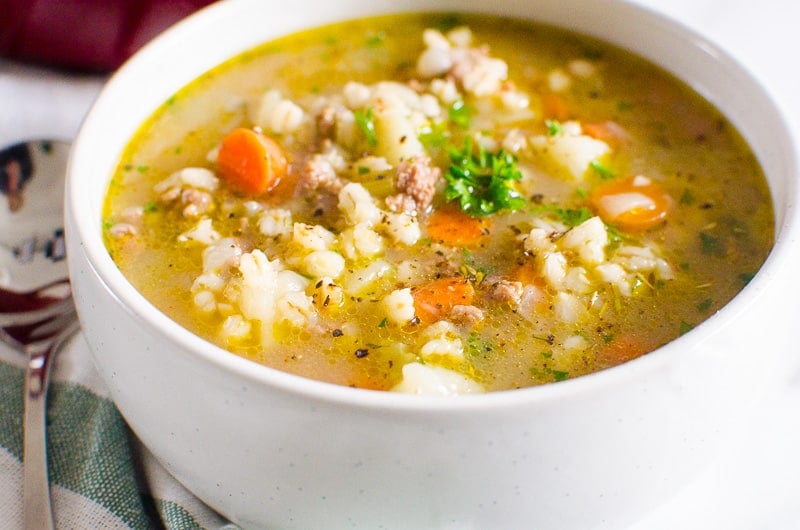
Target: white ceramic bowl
[[272, 450]]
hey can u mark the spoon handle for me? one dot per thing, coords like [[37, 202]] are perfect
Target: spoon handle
[[38, 513]]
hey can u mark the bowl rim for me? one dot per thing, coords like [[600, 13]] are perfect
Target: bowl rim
[[89, 235]]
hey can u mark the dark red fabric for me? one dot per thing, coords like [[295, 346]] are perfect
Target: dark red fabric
[[93, 35]]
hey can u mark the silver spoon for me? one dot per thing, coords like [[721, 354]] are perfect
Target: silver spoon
[[36, 310]]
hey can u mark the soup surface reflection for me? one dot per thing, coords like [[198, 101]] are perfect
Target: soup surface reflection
[[438, 205]]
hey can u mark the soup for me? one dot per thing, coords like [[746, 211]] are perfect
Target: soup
[[438, 205]]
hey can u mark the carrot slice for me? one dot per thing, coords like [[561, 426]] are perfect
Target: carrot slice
[[456, 228], [251, 162], [555, 107], [527, 274], [621, 350], [607, 131], [633, 204], [435, 300]]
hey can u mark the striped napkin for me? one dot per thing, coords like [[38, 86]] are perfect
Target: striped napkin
[[101, 476]]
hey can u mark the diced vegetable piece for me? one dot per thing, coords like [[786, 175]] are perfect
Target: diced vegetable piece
[[435, 300], [571, 153], [554, 106], [622, 349], [456, 228], [251, 162], [607, 131], [632, 204], [422, 379]]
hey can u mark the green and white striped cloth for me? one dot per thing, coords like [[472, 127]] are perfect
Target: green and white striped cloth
[[100, 474]]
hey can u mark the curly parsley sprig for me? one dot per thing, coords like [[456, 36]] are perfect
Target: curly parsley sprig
[[482, 182]]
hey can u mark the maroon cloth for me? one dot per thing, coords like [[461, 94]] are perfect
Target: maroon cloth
[[92, 35]]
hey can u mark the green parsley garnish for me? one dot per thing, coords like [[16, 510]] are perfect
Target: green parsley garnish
[[710, 244], [686, 197], [571, 217], [477, 345], [448, 22], [604, 171], [459, 113], [435, 135], [685, 328], [376, 39], [745, 277], [483, 183], [546, 372], [615, 237], [705, 305], [624, 105], [560, 375], [366, 123], [553, 127]]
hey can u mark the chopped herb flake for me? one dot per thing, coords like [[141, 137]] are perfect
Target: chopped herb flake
[[376, 39], [705, 305], [571, 217], [553, 127], [448, 22], [483, 182], [366, 123], [560, 375], [711, 244], [435, 135], [745, 277], [477, 345], [604, 171], [623, 106], [459, 113]]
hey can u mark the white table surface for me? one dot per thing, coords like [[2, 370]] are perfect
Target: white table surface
[[755, 482]]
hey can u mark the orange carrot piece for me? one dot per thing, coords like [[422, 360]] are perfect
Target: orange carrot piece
[[456, 228], [621, 350], [435, 300], [251, 162], [527, 274], [633, 204], [607, 131], [555, 107]]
